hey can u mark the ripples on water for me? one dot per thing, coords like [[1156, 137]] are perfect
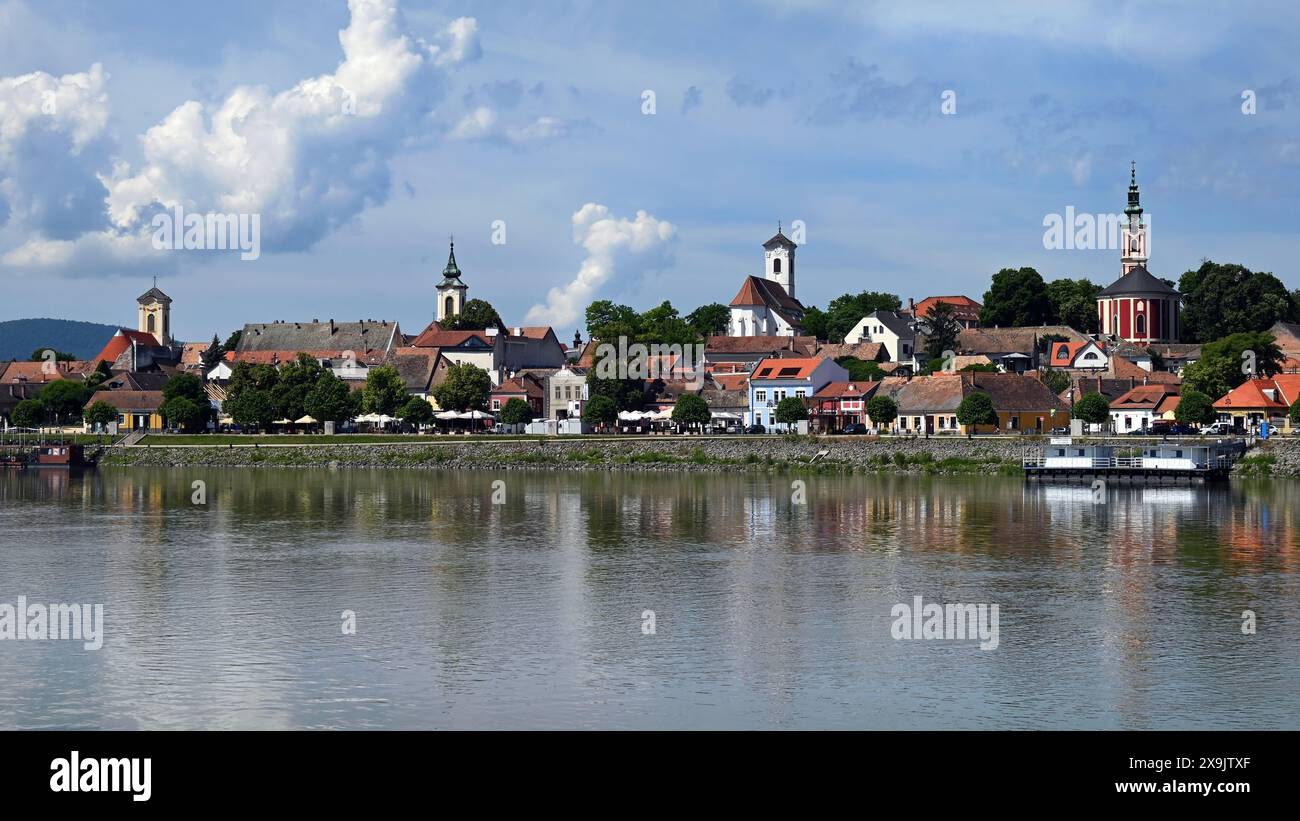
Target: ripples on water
[[768, 614]]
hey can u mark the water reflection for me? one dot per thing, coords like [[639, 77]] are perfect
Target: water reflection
[[1122, 611]]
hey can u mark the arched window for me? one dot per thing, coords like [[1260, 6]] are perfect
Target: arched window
[[449, 307], [776, 265], [1141, 324], [149, 323]]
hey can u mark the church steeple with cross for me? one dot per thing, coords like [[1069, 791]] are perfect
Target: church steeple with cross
[[451, 291]]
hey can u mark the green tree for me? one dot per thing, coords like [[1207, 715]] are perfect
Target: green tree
[[847, 310], [232, 341], [662, 324], [710, 320], [212, 355], [466, 387], [295, 380], [29, 413], [882, 411], [101, 414], [790, 410], [1016, 298], [331, 400], [1220, 300], [416, 412], [516, 412], [183, 412], [65, 399], [185, 385], [607, 321], [99, 376], [252, 409], [1195, 408], [1093, 408], [691, 410], [600, 410], [1226, 363], [245, 376], [1295, 413], [1058, 382], [941, 329], [41, 354], [474, 315], [815, 322], [385, 390], [627, 394], [1074, 303], [980, 367], [860, 370], [976, 409]]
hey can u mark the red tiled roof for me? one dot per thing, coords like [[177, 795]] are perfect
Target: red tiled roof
[[785, 368], [1250, 394], [435, 337], [1143, 397], [120, 341], [35, 372], [963, 306], [853, 390]]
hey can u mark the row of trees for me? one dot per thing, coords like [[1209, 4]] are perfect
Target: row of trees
[[1219, 300], [61, 400]]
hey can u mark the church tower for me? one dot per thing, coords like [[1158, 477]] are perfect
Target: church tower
[[451, 291], [155, 314], [1134, 235], [778, 261]]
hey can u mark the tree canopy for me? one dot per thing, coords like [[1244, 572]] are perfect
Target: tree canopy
[[977, 409], [1226, 363], [385, 391], [1074, 303], [1195, 408], [1017, 297], [474, 314], [1224, 299], [1092, 408], [691, 410], [466, 387], [790, 410]]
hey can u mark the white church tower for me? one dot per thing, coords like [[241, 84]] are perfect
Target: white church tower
[[778, 261]]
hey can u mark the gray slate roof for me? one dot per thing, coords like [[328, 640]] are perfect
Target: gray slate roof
[[320, 336]]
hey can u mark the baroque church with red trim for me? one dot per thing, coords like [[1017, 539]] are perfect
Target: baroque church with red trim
[[1138, 307]]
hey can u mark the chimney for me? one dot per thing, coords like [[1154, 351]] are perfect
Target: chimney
[[911, 306], [331, 326], [519, 331]]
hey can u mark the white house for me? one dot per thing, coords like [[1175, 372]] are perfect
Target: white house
[[775, 379], [566, 393], [890, 329], [1080, 356]]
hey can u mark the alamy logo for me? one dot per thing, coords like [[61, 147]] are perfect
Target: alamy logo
[[56, 622], [129, 775], [637, 361], [1089, 232], [177, 230], [951, 622]]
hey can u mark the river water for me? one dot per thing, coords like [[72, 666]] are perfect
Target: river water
[[773, 602]]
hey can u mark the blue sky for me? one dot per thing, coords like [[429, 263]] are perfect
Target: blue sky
[[529, 113]]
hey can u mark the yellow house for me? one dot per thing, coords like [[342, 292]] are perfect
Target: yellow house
[[136, 410]]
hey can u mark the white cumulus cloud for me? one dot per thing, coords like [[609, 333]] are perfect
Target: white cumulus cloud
[[307, 159], [613, 244]]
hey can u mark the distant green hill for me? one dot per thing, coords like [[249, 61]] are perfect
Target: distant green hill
[[19, 337]]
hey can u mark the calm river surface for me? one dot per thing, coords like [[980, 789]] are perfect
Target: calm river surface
[[767, 614]]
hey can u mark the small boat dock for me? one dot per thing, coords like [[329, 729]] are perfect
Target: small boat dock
[[1167, 462], [21, 449]]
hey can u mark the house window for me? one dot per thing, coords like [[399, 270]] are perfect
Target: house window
[[496, 404], [799, 392], [1013, 423], [943, 422], [760, 396]]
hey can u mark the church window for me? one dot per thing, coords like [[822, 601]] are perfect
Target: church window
[[1141, 324], [449, 307], [776, 265], [149, 323]]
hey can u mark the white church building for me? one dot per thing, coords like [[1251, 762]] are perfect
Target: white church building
[[766, 305]]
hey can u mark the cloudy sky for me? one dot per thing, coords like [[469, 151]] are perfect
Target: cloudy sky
[[363, 133]]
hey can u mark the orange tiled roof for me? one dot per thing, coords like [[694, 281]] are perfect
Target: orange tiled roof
[[785, 368], [120, 341]]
